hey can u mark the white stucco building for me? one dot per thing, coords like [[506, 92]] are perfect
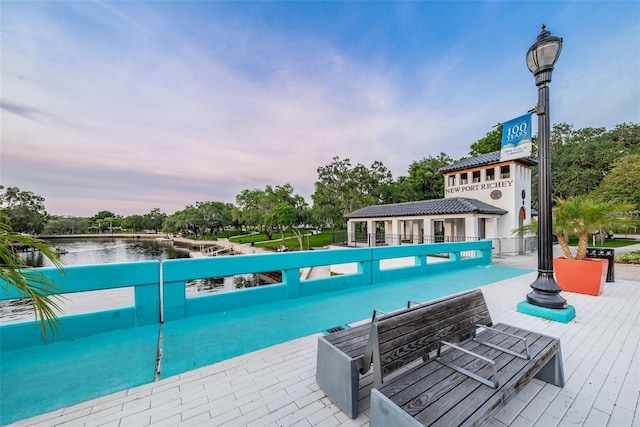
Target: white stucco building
[[483, 198]]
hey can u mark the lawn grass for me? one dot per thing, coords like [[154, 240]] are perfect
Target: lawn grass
[[256, 237], [293, 244], [227, 234], [608, 243], [247, 238], [315, 240]]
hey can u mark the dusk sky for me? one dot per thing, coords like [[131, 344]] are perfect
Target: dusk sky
[[128, 106]]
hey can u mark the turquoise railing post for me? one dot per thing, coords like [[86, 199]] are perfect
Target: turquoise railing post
[[369, 268], [421, 262], [291, 278], [147, 303], [486, 254], [174, 300], [146, 292]]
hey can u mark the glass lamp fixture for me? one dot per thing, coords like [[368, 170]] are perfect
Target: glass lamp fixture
[[543, 55]]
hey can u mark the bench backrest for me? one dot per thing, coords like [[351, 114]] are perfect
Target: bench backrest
[[396, 341], [353, 341]]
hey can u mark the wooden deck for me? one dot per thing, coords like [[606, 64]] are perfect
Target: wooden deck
[[276, 386]]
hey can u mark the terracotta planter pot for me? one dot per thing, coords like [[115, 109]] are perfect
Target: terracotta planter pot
[[585, 276]]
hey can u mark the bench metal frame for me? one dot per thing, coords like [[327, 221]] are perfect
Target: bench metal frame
[[338, 374]]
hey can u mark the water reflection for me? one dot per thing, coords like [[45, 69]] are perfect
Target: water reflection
[[86, 252], [106, 250], [16, 309], [217, 284]]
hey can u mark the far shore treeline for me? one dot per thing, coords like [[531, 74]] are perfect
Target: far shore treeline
[[589, 161]]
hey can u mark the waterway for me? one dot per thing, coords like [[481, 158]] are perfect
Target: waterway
[[106, 250], [88, 251]]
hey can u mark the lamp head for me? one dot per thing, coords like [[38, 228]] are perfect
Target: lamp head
[[542, 56]]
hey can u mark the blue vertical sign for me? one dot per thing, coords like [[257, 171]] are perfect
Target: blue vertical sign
[[516, 138]]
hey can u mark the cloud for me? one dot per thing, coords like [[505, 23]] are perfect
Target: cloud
[[20, 110], [165, 105]]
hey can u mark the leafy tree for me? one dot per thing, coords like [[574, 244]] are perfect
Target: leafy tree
[[31, 284], [424, 181], [236, 218], [582, 158], [341, 189], [134, 223], [287, 216], [186, 222], [106, 220], [25, 210], [267, 209], [621, 184], [492, 141], [102, 215], [215, 215], [197, 220], [66, 225], [252, 209], [153, 220]]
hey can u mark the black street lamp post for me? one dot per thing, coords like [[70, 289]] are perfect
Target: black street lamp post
[[541, 58]]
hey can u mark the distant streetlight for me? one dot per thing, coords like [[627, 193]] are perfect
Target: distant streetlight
[[541, 58]]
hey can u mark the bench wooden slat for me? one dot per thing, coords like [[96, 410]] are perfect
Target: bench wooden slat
[[406, 387], [338, 338], [445, 378], [405, 338], [433, 310], [461, 387], [455, 328], [480, 403], [353, 344]]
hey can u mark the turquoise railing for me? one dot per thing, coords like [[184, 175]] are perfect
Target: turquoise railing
[[142, 275], [160, 286]]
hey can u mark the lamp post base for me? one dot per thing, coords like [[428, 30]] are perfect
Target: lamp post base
[[564, 315], [546, 292]]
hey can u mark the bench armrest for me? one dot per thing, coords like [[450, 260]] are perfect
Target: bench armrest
[[493, 384], [524, 356], [376, 313]]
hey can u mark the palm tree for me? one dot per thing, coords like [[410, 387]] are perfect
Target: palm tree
[[30, 284], [582, 216]]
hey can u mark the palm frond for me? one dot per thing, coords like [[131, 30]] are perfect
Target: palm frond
[[30, 284]]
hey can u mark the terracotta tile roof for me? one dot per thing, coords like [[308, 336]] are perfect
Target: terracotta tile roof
[[483, 160], [453, 205]]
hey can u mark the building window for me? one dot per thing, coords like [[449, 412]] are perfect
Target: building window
[[452, 180], [476, 176], [505, 172], [464, 178], [491, 174]]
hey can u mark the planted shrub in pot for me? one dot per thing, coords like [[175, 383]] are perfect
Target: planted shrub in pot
[[581, 216]]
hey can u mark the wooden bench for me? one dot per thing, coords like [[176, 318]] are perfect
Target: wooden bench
[[341, 361], [437, 367]]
